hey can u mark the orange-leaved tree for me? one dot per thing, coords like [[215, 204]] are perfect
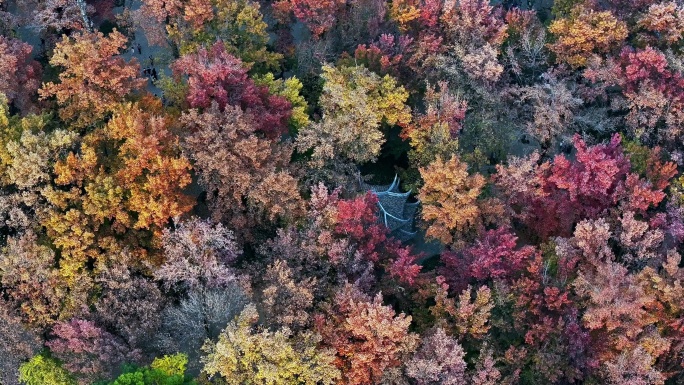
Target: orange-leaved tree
[[94, 78], [369, 337], [122, 186], [451, 200], [586, 33]]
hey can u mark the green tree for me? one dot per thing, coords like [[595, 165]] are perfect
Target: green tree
[[43, 370], [167, 370]]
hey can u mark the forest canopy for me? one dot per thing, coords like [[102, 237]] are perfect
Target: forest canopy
[[341, 192]]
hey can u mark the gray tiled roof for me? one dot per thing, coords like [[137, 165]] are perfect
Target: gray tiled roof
[[395, 212]]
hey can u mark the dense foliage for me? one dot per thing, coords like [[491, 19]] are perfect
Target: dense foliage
[[194, 192]]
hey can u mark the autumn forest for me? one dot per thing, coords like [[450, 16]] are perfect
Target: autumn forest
[[341, 192]]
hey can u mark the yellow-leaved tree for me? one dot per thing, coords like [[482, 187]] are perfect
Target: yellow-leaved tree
[[356, 103], [244, 355], [585, 33]]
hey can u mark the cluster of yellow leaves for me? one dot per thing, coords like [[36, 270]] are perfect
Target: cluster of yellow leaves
[[27, 155], [355, 103], [450, 198], [241, 26], [173, 365], [287, 299], [666, 287], [584, 33], [7, 133], [243, 355], [28, 269], [404, 12], [27, 150], [677, 190], [94, 80], [31, 154], [71, 233], [42, 370]]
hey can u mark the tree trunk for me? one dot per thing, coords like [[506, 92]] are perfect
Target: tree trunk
[[84, 14]]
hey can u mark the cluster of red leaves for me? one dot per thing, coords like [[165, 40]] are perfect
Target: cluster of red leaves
[[553, 196], [653, 89], [318, 15], [20, 75], [495, 256], [214, 75], [442, 108], [649, 65], [357, 220], [579, 283], [195, 12], [594, 180], [86, 349], [388, 55]]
